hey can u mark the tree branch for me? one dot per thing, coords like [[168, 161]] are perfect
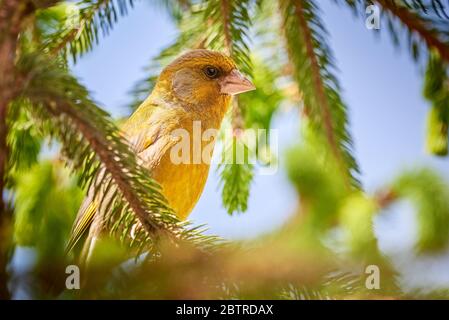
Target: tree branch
[[416, 24], [316, 75], [12, 15], [319, 86], [71, 35], [237, 118], [226, 29], [100, 146]]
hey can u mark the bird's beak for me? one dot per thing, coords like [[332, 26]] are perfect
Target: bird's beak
[[235, 83]]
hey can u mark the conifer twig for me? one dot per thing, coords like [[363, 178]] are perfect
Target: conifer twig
[[416, 24]]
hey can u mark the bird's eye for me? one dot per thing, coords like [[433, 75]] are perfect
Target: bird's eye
[[211, 72]]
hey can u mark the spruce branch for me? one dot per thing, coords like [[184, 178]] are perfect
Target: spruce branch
[[313, 61], [229, 22], [416, 23], [236, 175], [316, 75], [94, 16], [231, 19], [237, 119], [12, 16]]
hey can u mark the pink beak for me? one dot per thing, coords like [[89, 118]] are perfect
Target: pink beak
[[235, 83]]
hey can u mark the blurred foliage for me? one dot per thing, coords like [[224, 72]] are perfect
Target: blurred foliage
[[320, 190], [24, 139], [260, 105], [430, 194], [436, 90], [47, 200], [356, 217], [283, 46]]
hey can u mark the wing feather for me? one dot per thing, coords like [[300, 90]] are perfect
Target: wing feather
[[148, 132]]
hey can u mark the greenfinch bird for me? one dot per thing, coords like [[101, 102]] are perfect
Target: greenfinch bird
[[196, 88]]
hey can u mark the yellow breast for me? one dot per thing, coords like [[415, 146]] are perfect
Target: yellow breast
[[184, 182]]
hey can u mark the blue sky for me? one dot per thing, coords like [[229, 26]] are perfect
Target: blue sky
[[381, 85]]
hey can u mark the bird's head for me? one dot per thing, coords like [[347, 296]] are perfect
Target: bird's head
[[203, 78]]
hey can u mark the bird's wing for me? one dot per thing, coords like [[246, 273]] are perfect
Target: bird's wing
[[153, 130], [148, 132], [82, 223]]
